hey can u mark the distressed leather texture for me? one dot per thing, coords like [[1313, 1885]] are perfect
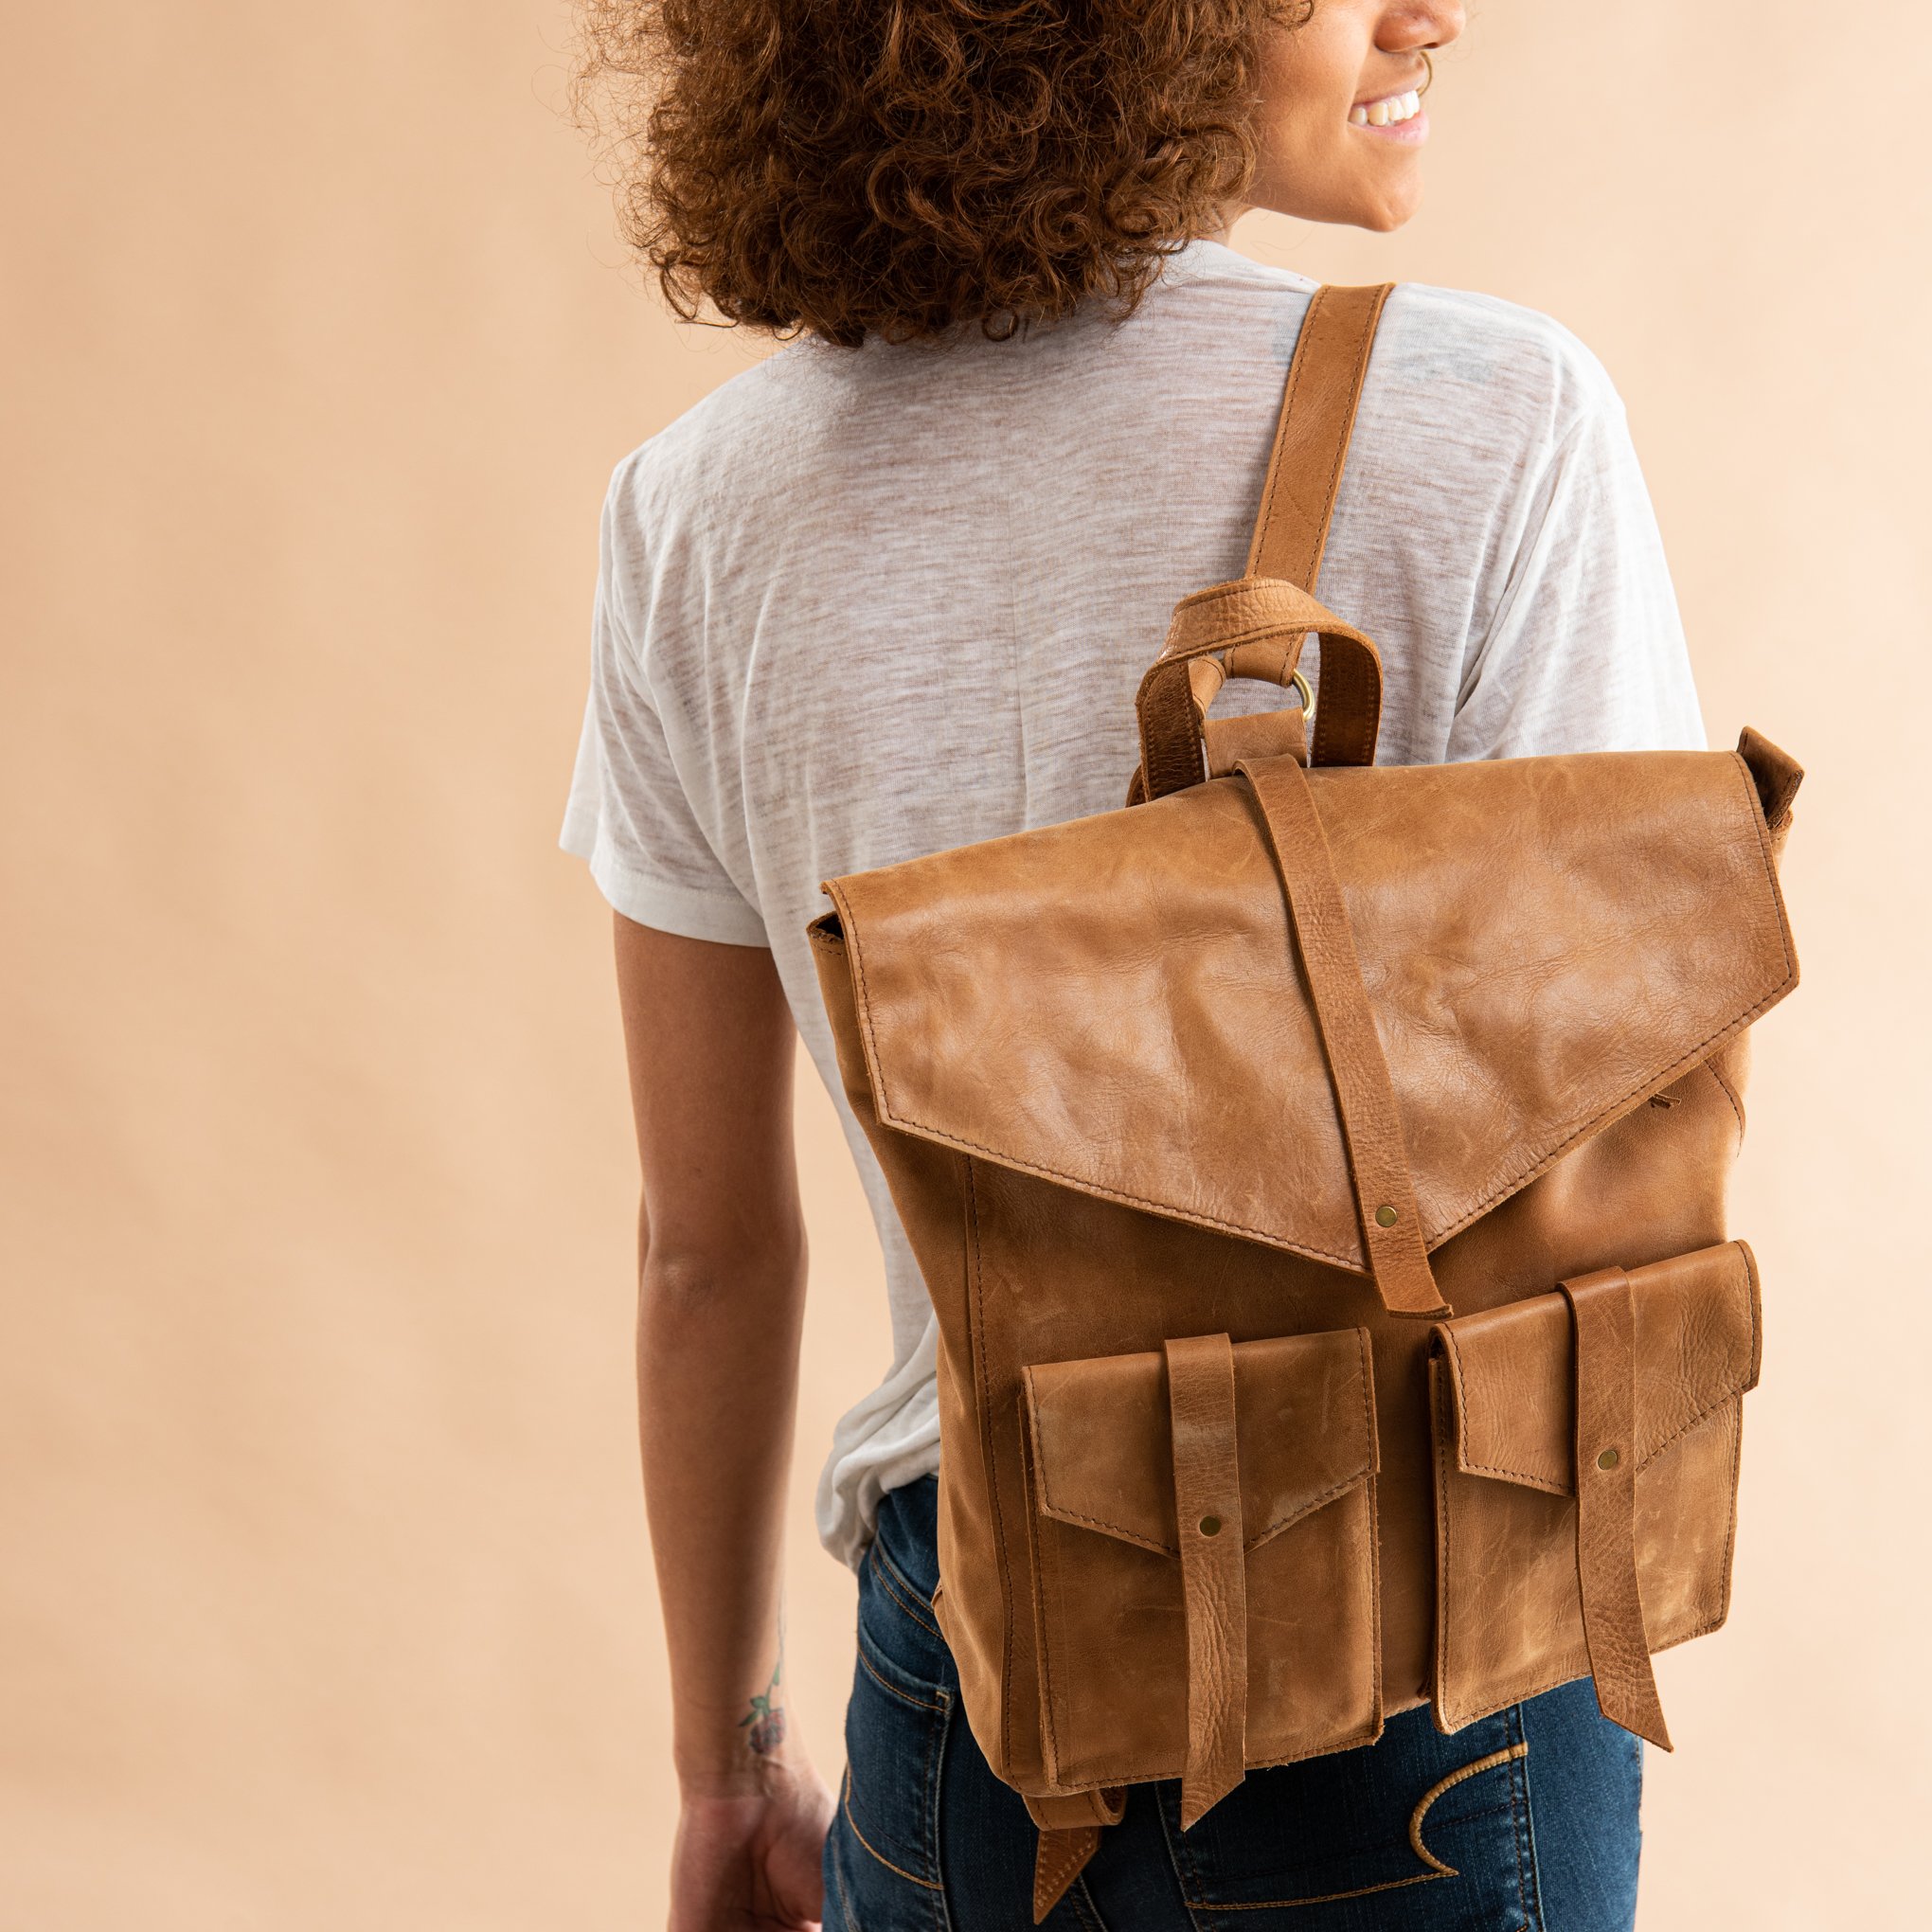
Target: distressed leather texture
[[1337, 1153], [1543, 1555]]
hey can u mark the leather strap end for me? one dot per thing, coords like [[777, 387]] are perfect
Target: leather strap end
[[1208, 1510], [1603, 1316], [1061, 1858], [1070, 1831]]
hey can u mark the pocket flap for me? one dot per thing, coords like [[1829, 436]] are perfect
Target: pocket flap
[[1509, 1370], [1102, 1447]]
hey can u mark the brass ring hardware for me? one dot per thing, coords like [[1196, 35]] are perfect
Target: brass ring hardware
[[1300, 683]]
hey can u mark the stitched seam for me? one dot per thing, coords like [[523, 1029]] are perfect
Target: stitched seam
[[1272, 1238], [936, 1751], [1061, 1513], [1296, 368], [1734, 1393], [891, 1589], [1326, 1898], [1166, 1210], [986, 1436], [1084, 1903], [1514, 1184], [1044, 1617], [1449, 1783], [845, 1904], [1180, 1862], [887, 1684], [1308, 1509], [905, 1582], [1365, 1473], [1517, 1824], [1364, 745], [1445, 1568], [1449, 1334], [1310, 562], [1730, 1538], [1701, 1417], [1523, 1803], [845, 1805]]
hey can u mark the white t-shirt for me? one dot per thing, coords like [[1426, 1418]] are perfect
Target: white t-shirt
[[861, 605]]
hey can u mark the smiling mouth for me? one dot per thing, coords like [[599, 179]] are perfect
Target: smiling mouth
[[1388, 112]]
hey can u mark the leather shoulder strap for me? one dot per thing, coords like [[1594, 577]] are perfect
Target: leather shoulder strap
[[1311, 438]]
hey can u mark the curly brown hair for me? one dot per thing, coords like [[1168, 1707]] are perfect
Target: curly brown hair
[[903, 166]]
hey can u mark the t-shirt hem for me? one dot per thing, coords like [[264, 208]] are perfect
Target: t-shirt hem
[[726, 920]]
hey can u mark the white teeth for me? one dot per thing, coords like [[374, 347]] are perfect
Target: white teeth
[[1387, 114]]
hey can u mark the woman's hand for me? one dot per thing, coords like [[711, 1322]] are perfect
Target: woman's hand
[[748, 1861]]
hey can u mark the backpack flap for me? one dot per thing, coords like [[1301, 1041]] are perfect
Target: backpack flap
[[1696, 1349], [1115, 1003]]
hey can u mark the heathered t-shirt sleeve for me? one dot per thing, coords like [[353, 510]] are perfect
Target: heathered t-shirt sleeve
[[1585, 651], [629, 813]]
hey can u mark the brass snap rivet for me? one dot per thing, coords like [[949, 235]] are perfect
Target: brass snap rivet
[[1607, 1460], [1385, 1216], [1211, 1526]]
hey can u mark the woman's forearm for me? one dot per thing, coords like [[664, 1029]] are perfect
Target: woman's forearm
[[717, 1386], [721, 1302]]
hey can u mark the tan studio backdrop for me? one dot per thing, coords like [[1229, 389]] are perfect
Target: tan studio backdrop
[[325, 1602]]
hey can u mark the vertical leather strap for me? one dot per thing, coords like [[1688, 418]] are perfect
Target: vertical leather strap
[[1319, 405], [1604, 1319], [1069, 1835], [1372, 1130], [1213, 1570]]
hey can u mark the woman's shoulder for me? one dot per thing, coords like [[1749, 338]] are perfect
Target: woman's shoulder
[[751, 428], [1516, 371]]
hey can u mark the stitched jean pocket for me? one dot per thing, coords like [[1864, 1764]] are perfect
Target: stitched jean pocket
[[882, 1854], [1110, 1603], [1418, 1833]]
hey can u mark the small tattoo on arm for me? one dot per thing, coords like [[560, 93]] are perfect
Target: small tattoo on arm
[[766, 1718]]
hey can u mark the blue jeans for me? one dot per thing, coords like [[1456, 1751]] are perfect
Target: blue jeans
[[1526, 1821]]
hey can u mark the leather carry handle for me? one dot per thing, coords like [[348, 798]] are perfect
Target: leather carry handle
[[1240, 618], [1319, 405]]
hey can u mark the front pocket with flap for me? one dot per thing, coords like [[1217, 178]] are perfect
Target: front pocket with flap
[[1110, 1606], [1517, 1585]]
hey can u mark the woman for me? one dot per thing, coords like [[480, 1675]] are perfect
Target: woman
[[890, 592]]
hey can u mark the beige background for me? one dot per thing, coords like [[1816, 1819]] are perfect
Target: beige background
[[324, 1601]]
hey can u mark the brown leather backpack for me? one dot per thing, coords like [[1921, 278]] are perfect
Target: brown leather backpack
[[1318, 1173]]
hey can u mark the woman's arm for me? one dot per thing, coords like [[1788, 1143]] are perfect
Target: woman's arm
[[721, 1298]]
